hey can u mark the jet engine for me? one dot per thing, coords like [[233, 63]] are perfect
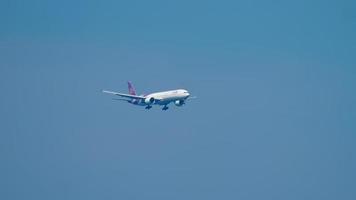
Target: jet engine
[[179, 102], [149, 101]]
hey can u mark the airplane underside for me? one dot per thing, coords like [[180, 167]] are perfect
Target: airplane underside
[[164, 104], [159, 103]]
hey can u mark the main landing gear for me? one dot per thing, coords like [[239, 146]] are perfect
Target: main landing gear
[[164, 108]]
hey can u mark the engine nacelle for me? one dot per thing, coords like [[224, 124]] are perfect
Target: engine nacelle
[[179, 102], [149, 101]]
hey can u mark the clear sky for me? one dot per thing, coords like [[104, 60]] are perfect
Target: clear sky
[[275, 116]]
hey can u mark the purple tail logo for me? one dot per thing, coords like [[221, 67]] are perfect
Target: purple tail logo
[[131, 89]]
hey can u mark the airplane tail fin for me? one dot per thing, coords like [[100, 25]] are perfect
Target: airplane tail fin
[[131, 88]]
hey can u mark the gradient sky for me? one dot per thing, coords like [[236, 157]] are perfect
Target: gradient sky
[[275, 116]]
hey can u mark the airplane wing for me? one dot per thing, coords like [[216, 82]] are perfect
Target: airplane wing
[[127, 100], [124, 95]]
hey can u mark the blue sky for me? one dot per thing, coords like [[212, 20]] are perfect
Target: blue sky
[[275, 117]]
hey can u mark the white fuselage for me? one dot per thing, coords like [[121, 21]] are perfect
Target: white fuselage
[[166, 97]]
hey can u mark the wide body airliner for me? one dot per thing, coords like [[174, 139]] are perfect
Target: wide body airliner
[[178, 97]]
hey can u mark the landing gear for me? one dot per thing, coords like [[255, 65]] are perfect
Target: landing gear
[[148, 107], [165, 107]]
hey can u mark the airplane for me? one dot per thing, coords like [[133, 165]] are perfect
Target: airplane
[[179, 97]]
